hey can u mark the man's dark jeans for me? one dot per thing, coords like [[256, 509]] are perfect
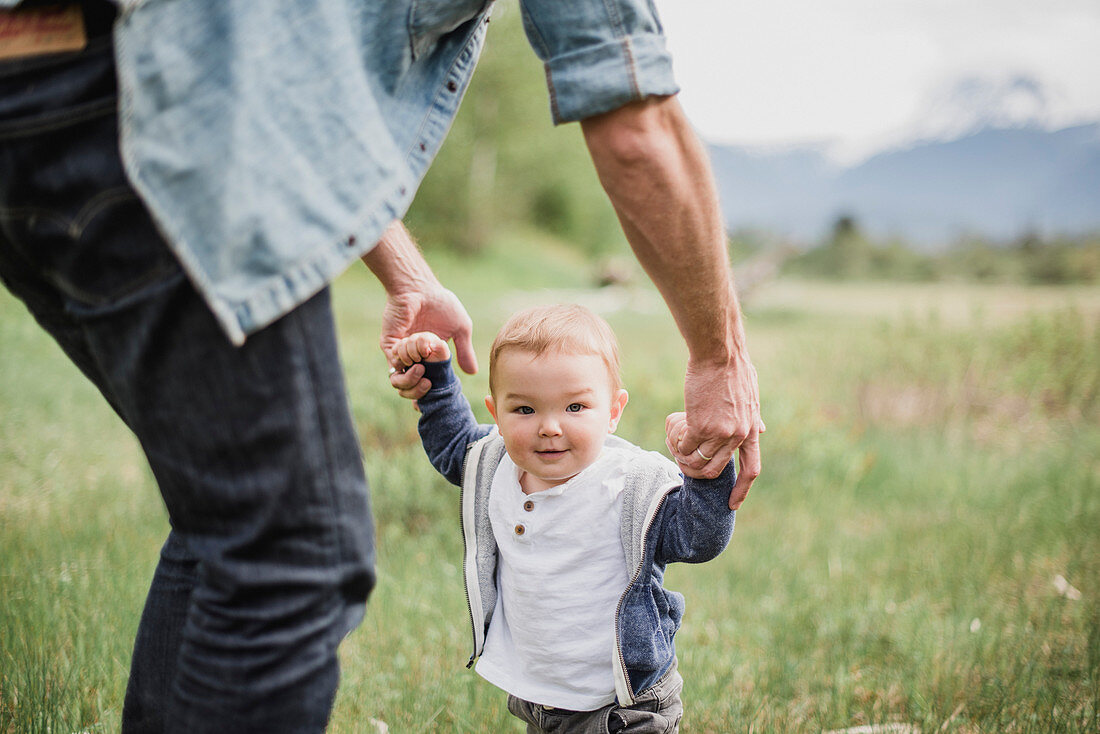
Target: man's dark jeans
[[270, 557]]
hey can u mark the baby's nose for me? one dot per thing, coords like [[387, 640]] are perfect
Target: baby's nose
[[550, 427]]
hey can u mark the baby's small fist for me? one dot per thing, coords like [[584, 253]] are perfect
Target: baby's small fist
[[423, 346]]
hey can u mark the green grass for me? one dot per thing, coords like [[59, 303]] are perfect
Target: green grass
[[926, 479]]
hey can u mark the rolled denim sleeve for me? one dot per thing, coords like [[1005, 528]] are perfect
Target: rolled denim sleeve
[[598, 54]]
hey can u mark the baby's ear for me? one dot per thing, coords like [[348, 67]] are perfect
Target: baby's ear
[[491, 406], [618, 403]]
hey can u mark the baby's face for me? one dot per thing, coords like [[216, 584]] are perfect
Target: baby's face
[[554, 411]]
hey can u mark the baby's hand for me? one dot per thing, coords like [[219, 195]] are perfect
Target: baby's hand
[[406, 355], [675, 427], [424, 346]]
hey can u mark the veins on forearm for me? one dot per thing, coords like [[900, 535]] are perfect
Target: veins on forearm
[[397, 262]]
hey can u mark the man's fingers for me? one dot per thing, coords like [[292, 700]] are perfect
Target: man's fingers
[[417, 392], [706, 456], [698, 458], [704, 460], [749, 464], [696, 466], [464, 353], [411, 382], [407, 379]]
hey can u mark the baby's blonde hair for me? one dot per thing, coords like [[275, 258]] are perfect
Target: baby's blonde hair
[[565, 328]]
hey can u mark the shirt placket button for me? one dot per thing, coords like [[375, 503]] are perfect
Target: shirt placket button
[[529, 505], [520, 530]]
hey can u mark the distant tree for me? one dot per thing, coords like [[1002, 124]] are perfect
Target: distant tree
[[845, 227], [845, 253], [1060, 261], [1030, 258], [849, 251]]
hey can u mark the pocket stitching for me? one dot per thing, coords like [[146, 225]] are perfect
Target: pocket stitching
[[53, 121], [27, 212], [96, 206]]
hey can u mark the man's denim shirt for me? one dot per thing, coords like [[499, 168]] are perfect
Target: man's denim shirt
[[275, 140]]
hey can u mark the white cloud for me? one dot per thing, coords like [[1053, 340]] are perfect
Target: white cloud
[[860, 72]]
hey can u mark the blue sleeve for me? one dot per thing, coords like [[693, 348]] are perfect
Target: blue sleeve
[[598, 54], [447, 426], [696, 523]]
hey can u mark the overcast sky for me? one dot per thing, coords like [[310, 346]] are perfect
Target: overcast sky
[[864, 73]]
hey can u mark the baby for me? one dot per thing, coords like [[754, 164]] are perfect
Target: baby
[[567, 528]]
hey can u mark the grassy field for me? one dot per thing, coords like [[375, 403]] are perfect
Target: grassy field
[[923, 547]]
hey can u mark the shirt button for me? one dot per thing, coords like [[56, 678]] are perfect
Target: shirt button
[[528, 505], [452, 86], [520, 530]]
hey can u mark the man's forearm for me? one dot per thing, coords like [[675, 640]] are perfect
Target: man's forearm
[[657, 175], [397, 262]]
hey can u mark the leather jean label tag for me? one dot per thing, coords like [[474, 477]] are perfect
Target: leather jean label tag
[[41, 30]]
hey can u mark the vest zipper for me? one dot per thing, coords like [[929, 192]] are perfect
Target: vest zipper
[[475, 449], [619, 606]]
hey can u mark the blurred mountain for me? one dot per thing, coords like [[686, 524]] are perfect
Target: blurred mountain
[[996, 181], [971, 104]]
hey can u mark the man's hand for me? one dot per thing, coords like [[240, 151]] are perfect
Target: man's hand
[[723, 416], [416, 302], [437, 311]]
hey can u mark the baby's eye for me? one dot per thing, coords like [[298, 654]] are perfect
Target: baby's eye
[[574, 408], [525, 410]]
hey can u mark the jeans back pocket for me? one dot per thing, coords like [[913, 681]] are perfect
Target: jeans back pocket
[[67, 209]]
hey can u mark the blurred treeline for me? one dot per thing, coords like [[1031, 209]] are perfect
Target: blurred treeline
[[505, 168], [849, 253]]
